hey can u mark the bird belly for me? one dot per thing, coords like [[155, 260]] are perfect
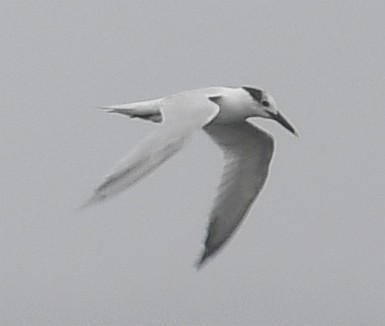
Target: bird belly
[[231, 114]]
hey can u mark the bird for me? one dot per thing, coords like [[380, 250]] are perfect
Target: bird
[[222, 113]]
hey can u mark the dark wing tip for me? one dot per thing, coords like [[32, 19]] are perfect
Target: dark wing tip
[[202, 260], [95, 199]]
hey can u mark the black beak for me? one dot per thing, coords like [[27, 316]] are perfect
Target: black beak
[[284, 122]]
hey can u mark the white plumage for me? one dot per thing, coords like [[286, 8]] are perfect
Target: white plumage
[[221, 112]]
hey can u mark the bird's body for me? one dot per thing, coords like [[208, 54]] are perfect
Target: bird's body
[[221, 112]]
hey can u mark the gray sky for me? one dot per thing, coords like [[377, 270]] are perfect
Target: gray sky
[[311, 251]]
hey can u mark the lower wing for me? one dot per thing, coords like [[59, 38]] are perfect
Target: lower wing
[[247, 151]]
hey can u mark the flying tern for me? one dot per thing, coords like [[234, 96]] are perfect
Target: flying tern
[[222, 112]]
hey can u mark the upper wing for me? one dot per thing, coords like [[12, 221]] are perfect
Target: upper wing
[[248, 151], [182, 116]]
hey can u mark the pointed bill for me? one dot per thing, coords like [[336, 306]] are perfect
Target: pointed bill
[[280, 118]]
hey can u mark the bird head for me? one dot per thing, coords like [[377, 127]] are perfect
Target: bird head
[[264, 106]]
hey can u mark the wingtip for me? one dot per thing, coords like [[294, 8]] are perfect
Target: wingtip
[[95, 199], [202, 260], [199, 264]]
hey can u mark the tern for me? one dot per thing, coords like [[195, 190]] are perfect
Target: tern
[[222, 112]]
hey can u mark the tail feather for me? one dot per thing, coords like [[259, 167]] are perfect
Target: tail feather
[[139, 108], [147, 110]]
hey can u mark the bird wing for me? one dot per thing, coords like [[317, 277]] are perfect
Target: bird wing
[[182, 116], [247, 151]]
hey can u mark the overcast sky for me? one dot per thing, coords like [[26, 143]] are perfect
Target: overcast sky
[[311, 251]]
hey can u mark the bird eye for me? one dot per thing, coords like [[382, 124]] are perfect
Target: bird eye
[[265, 103]]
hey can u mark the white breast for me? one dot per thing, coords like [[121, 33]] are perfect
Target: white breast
[[234, 106]]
